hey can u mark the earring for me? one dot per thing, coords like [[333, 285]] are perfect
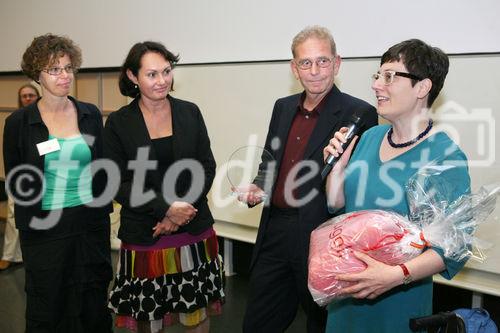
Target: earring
[[135, 86]]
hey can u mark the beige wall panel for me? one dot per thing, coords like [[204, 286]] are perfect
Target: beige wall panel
[[87, 87], [9, 85], [112, 99]]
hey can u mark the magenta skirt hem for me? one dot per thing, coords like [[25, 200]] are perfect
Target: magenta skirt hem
[[168, 241]]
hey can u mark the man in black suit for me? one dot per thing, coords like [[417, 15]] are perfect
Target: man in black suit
[[301, 126]]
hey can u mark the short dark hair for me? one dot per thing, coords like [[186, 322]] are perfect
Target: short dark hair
[[133, 63], [27, 85], [421, 60], [45, 51]]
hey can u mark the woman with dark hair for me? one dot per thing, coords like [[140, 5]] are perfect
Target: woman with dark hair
[[383, 298], [169, 267], [64, 241]]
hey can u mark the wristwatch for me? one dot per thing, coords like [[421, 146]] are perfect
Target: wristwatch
[[407, 276]]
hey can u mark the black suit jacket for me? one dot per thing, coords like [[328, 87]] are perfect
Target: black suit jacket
[[124, 133], [337, 109], [23, 129]]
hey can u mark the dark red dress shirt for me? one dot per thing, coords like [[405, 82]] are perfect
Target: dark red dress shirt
[[301, 129]]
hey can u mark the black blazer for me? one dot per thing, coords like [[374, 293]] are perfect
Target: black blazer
[[23, 129], [336, 111], [124, 133]]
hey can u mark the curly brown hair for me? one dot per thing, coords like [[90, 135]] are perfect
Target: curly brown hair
[[45, 50]]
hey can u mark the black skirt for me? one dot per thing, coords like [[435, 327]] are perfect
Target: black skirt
[[68, 269]]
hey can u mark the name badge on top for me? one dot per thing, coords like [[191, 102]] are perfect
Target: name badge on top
[[48, 146]]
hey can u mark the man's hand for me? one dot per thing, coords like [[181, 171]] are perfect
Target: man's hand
[[250, 194]]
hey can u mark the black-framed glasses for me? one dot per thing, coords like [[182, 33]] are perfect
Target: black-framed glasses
[[322, 62], [58, 70], [388, 76]]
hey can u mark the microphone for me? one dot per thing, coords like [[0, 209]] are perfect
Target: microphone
[[354, 125]]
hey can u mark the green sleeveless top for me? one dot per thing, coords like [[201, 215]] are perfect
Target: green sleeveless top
[[68, 180]]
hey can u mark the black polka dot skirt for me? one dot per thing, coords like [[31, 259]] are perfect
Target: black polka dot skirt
[[179, 279]]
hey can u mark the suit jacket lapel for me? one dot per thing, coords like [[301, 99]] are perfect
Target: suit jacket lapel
[[177, 128], [141, 138], [138, 130], [284, 126], [327, 122]]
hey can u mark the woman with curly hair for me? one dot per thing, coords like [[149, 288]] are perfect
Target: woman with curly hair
[[48, 149]]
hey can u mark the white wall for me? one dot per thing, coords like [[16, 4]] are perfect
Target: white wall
[[230, 30], [237, 100]]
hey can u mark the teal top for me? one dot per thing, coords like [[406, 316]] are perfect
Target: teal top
[[373, 184], [68, 180]]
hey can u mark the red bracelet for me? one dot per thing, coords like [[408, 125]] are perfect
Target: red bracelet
[[407, 276]]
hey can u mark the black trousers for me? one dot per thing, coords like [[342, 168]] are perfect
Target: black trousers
[[278, 282], [68, 269]]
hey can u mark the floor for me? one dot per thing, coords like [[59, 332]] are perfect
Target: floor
[[12, 304], [12, 300]]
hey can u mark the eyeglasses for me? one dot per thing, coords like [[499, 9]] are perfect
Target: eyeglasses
[[28, 95], [322, 62], [58, 70], [388, 76]]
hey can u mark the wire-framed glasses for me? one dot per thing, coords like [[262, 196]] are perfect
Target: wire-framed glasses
[[58, 70], [322, 62]]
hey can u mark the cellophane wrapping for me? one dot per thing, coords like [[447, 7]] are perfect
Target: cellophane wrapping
[[394, 239]]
